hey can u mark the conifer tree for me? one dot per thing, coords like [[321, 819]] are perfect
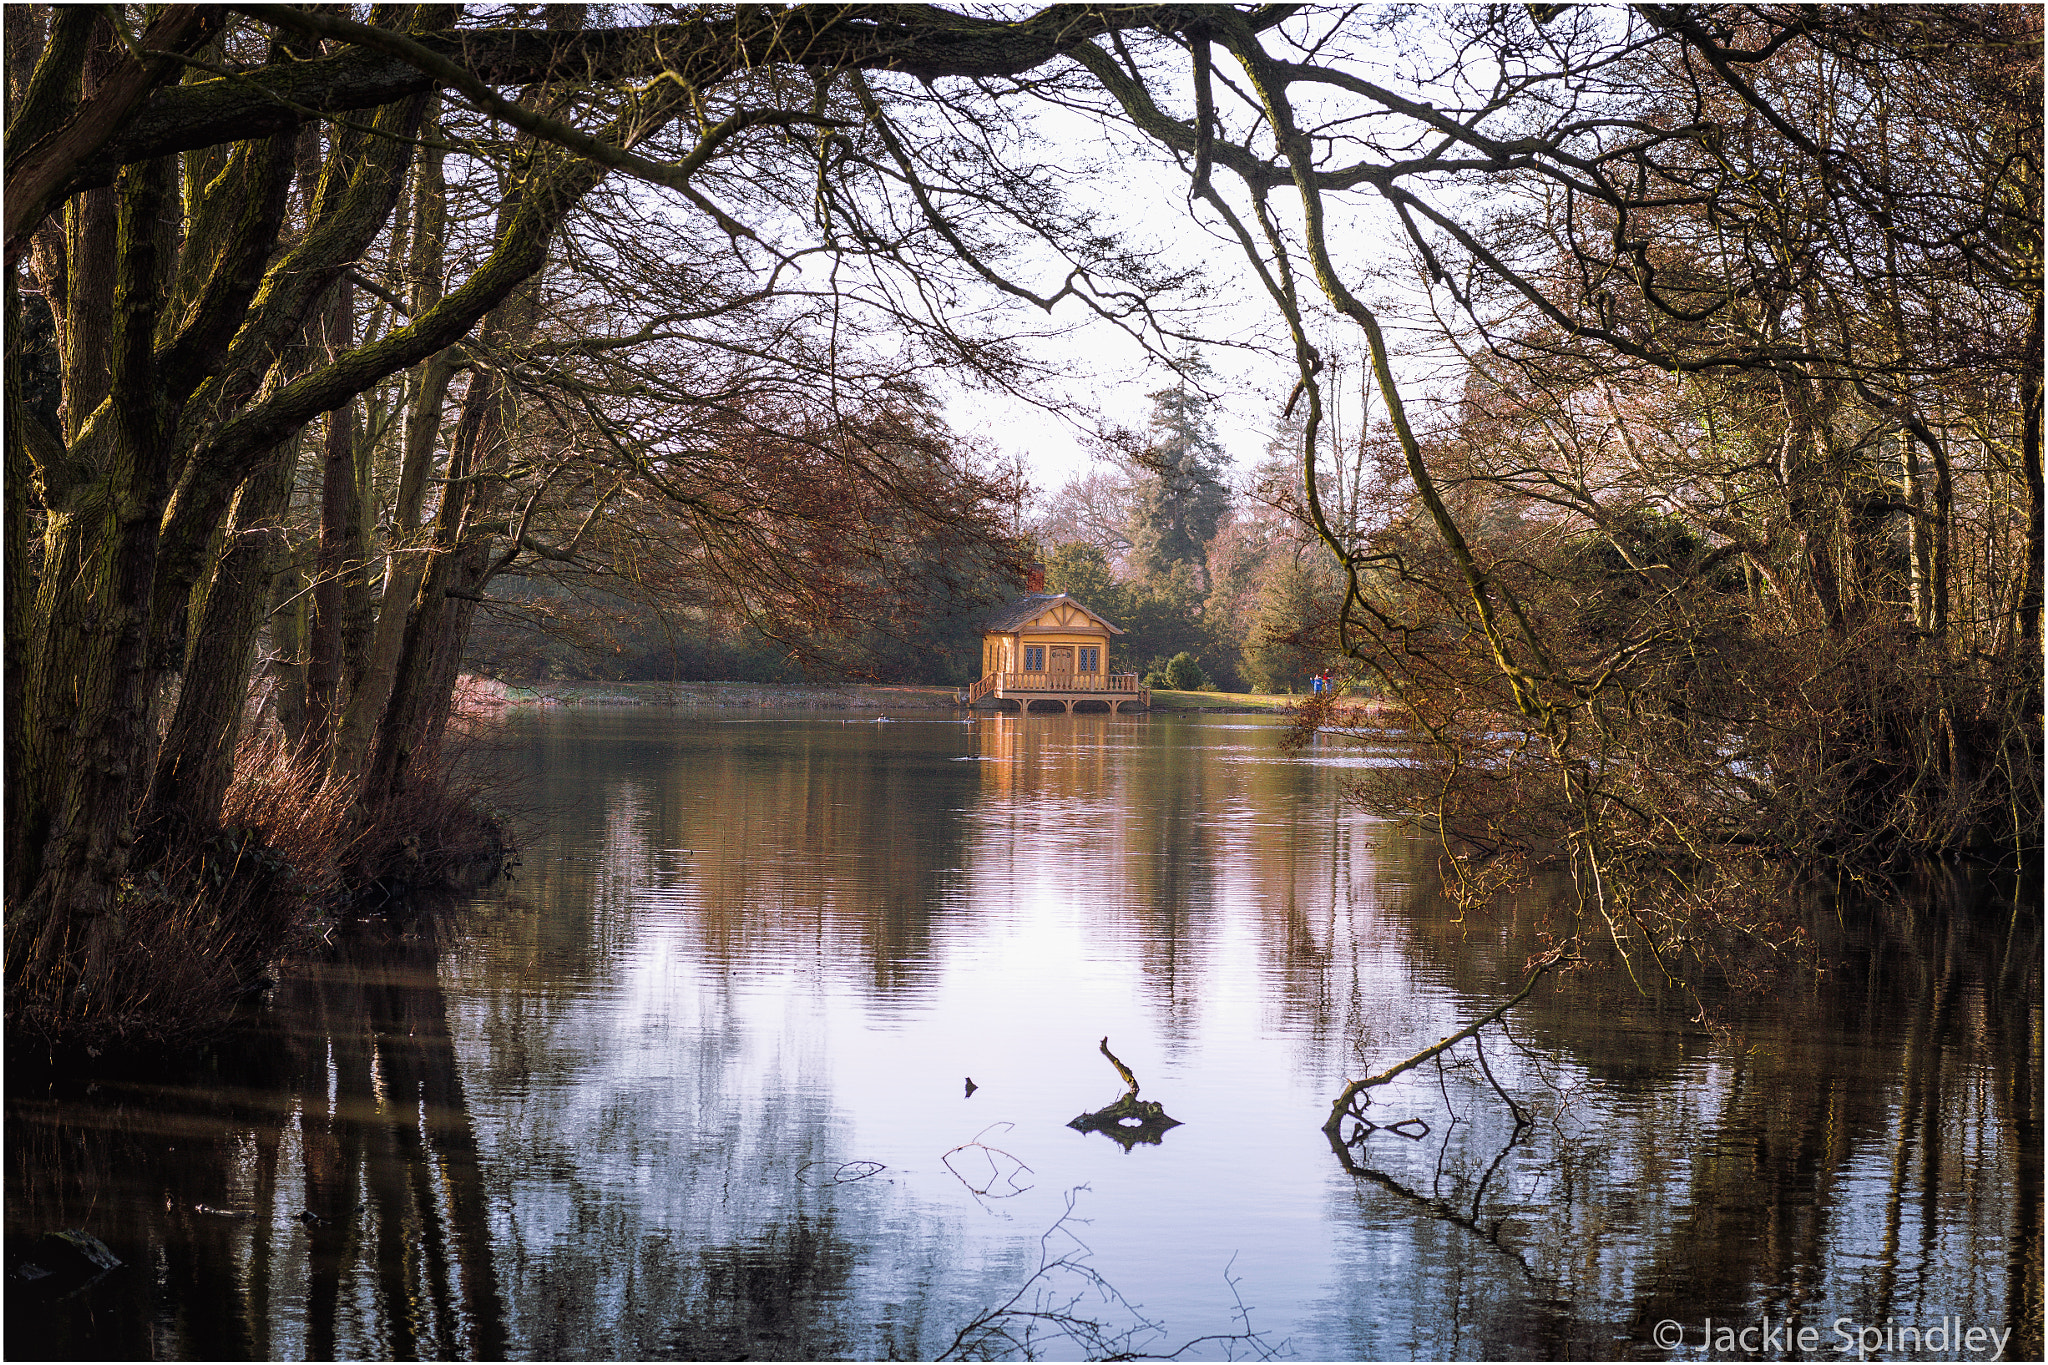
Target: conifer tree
[[1181, 503]]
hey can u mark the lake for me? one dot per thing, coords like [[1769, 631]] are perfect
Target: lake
[[695, 1084]]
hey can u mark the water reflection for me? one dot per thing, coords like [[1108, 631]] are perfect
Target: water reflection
[[312, 1196], [1864, 1150], [745, 960]]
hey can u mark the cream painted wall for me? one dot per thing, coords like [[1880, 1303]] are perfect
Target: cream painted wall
[[1005, 653]]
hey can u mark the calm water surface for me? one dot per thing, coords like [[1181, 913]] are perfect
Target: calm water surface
[[694, 1085]]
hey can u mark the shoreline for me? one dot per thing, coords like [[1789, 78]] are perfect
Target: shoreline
[[485, 695]]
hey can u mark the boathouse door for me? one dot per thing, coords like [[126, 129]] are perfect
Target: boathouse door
[[1060, 664]]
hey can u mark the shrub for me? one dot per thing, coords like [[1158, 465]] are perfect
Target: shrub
[[1183, 673]]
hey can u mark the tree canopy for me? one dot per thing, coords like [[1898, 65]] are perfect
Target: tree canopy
[[321, 322]]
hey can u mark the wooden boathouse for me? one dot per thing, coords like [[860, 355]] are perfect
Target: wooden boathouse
[[1045, 650]]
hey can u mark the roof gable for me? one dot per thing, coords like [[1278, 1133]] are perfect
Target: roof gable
[[1046, 610]]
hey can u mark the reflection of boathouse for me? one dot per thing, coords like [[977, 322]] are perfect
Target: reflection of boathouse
[[1046, 650]]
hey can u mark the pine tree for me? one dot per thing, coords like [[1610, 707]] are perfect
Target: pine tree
[[1184, 497]]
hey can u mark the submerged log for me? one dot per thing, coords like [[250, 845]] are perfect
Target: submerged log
[[1129, 1121]]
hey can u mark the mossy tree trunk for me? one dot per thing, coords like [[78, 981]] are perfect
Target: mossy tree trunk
[[173, 408]]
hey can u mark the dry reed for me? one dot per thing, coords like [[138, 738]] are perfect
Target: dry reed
[[199, 930]]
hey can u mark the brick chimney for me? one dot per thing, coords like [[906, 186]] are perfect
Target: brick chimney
[[1034, 580]]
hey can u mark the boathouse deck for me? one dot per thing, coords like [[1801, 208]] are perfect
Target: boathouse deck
[[1117, 691]]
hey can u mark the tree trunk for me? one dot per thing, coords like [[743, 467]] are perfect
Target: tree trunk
[[93, 828], [290, 625], [196, 763], [2030, 457], [426, 400], [1919, 534], [20, 587], [1801, 470], [340, 529], [404, 732]]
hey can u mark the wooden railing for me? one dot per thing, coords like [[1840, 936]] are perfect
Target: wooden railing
[[1044, 681]]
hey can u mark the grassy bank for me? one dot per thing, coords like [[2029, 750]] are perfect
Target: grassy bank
[[1235, 702]]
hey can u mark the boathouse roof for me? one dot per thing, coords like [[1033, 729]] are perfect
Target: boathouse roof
[[1012, 615]]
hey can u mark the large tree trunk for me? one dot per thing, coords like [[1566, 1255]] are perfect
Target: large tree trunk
[[426, 398], [166, 414], [408, 727], [437, 626], [26, 421], [197, 759], [109, 624], [93, 829], [2030, 597], [1802, 465], [290, 627], [340, 532]]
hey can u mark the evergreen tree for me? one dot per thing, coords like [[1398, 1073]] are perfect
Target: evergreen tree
[[1181, 502]]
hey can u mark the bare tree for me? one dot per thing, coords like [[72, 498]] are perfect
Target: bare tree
[[1735, 286]]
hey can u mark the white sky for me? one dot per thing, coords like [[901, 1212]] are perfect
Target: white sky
[[1111, 378], [1144, 198], [1252, 366]]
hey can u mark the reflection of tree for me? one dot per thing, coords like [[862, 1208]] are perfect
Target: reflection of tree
[[1324, 883], [1066, 1306], [815, 837], [105, 1158], [778, 1294], [708, 1228], [1930, 1000], [679, 854], [387, 1132], [1118, 819], [1170, 873], [330, 1202], [279, 1184], [1463, 1214], [1787, 1168]]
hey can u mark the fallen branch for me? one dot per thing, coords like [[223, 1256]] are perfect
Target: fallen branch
[[1048, 1315], [996, 1170], [1353, 1089], [1121, 1069], [1128, 1120]]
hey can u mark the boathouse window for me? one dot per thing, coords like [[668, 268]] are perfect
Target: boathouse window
[[1090, 660], [1034, 658]]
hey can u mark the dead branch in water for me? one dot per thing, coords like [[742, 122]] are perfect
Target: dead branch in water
[[1127, 1119], [1121, 1070], [1353, 1089]]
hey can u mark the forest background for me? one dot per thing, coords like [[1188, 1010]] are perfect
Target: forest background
[[1204, 563]]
